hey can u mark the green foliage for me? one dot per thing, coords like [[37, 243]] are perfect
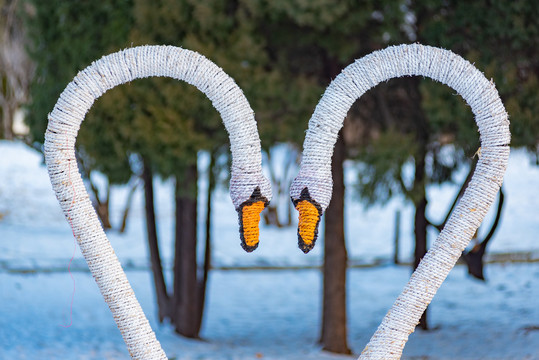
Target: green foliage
[[223, 32], [380, 171], [501, 38], [66, 36], [313, 31], [283, 54], [308, 43], [165, 121], [450, 118]]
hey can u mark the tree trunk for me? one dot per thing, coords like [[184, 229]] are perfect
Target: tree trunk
[[474, 257], [101, 207], [463, 187], [419, 192], [420, 232], [397, 237], [420, 219], [132, 189], [163, 300], [104, 207], [186, 302], [202, 285], [7, 121], [334, 327]]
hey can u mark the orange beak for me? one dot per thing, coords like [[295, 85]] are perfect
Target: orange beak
[[310, 213], [249, 219]]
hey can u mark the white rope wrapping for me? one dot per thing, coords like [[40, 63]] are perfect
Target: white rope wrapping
[[492, 121], [60, 137]]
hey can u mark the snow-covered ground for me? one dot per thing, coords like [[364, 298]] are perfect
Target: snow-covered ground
[[276, 314], [29, 213], [270, 314]]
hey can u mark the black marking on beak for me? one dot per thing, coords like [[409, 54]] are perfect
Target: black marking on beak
[[256, 196], [304, 244]]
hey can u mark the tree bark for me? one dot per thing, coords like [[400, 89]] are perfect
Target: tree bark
[[202, 286], [101, 207], [186, 317], [161, 293], [474, 257], [7, 121], [334, 327], [397, 237], [420, 219], [420, 232], [419, 191], [463, 187], [132, 189]]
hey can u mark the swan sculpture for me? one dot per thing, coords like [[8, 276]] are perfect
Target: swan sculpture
[[311, 189], [249, 189]]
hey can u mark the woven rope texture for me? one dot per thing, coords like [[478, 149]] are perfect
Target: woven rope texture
[[492, 121], [60, 137]]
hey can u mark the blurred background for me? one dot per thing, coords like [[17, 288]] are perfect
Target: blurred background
[[155, 148]]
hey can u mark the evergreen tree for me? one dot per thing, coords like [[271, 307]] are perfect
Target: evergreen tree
[[64, 38], [502, 39], [161, 122], [310, 43], [426, 125], [174, 121]]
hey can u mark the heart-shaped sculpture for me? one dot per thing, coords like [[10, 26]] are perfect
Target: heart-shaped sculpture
[[250, 191], [311, 190]]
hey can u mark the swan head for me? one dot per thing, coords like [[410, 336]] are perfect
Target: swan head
[[250, 194], [311, 196]]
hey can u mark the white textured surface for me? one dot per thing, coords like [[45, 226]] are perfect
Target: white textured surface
[[492, 121], [64, 123]]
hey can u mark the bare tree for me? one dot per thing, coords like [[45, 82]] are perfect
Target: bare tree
[[16, 69], [281, 174]]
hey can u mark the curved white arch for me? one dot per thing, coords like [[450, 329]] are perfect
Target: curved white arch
[[492, 121], [60, 137]]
